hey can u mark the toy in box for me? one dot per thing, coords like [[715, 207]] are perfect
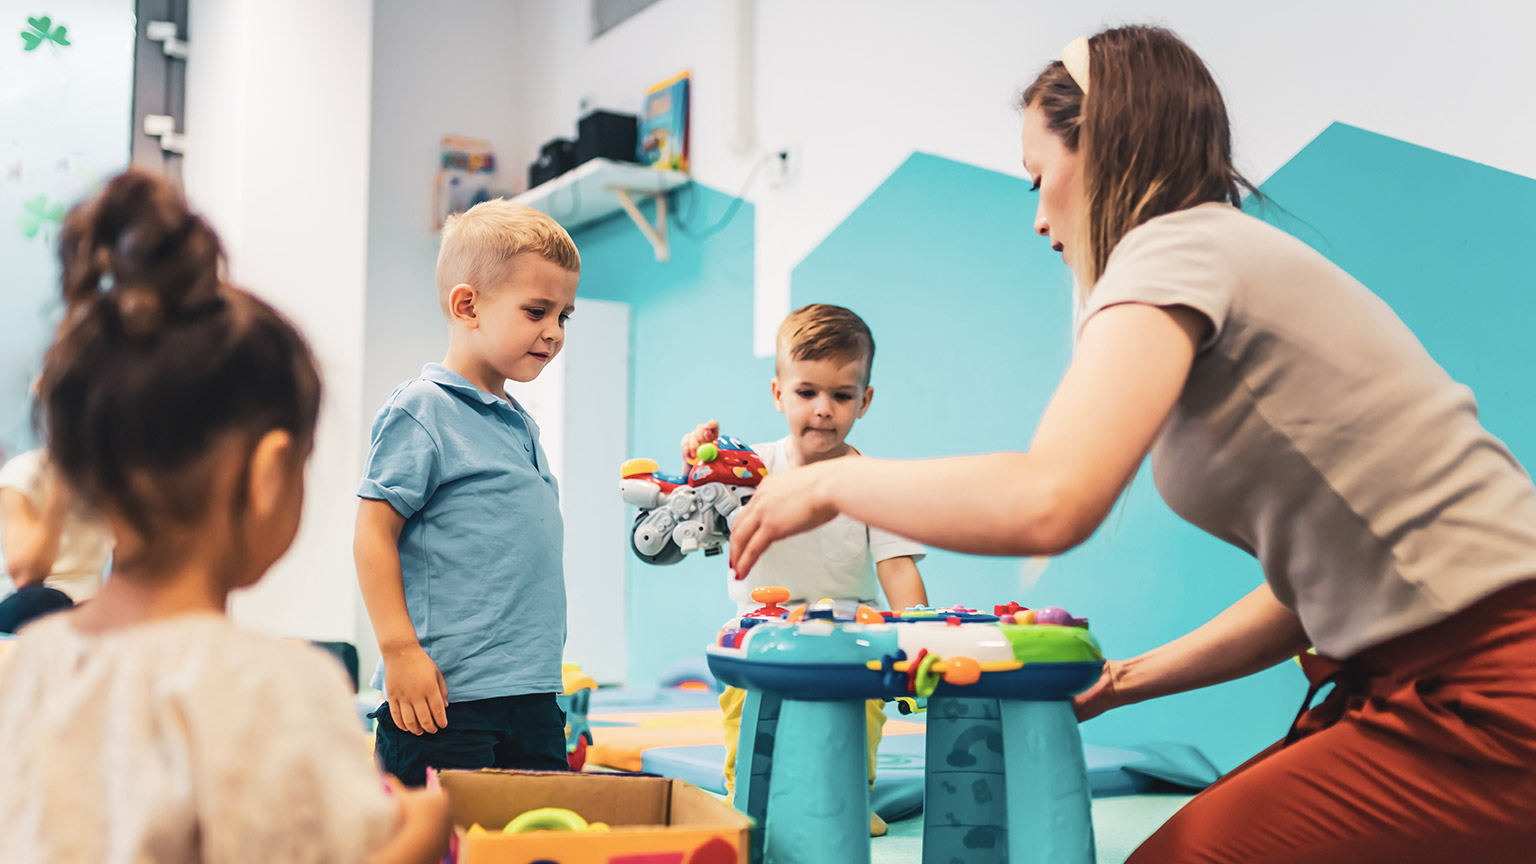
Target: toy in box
[[607, 819]]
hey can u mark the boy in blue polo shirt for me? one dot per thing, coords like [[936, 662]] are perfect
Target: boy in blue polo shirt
[[459, 538]]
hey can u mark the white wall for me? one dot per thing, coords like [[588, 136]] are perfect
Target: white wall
[[447, 68], [71, 111], [581, 403], [853, 87], [277, 124]]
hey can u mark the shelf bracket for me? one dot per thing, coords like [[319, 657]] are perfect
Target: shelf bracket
[[656, 233]]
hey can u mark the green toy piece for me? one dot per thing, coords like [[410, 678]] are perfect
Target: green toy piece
[[1048, 643]]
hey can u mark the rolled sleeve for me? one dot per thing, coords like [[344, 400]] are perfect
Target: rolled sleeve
[[404, 463], [1168, 262]]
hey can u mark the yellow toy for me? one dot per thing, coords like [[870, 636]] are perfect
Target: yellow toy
[[544, 819]]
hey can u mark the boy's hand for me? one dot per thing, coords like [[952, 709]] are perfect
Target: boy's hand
[[705, 433], [417, 693]]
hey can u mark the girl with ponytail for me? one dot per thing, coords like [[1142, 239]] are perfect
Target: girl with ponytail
[[144, 725]]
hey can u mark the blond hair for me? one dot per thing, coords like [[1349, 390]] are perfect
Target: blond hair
[[480, 242], [821, 331]]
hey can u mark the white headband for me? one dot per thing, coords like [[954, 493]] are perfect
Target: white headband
[[1075, 58]]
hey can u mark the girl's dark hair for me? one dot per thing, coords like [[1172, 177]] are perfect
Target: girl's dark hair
[[1153, 133], [158, 358]]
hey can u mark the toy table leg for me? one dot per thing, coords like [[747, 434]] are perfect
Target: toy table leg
[[754, 761], [965, 812], [818, 804], [1049, 809]]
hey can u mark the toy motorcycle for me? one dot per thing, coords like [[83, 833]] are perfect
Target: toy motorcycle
[[683, 513]]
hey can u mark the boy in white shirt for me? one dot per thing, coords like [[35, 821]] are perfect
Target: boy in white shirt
[[824, 358]]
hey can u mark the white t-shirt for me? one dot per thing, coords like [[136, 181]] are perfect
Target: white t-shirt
[[836, 561], [85, 544], [184, 740]]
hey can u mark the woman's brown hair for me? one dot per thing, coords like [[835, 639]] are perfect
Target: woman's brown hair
[[158, 358], [1152, 131]]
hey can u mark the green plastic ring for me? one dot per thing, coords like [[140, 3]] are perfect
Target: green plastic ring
[[546, 819], [926, 680]]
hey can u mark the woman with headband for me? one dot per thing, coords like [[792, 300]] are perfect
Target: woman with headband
[[1289, 412]]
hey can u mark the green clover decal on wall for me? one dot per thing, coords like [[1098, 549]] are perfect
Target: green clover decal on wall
[[36, 212], [42, 30]]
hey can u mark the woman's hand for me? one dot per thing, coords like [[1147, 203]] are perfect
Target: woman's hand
[[1250, 636], [784, 505], [1103, 695]]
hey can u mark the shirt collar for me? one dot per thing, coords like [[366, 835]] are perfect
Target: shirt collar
[[441, 375]]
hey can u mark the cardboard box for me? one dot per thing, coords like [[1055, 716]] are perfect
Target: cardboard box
[[653, 820]]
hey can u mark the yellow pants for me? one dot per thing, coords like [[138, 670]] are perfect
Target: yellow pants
[[732, 700]]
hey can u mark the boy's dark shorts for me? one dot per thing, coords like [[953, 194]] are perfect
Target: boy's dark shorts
[[521, 732]]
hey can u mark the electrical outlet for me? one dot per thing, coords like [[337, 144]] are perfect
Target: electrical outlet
[[781, 168]]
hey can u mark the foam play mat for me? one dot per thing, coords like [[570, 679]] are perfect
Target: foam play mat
[[678, 733]]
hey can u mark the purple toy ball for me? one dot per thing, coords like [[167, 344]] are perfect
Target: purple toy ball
[[1053, 615]]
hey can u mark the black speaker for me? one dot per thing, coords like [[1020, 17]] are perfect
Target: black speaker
[[608, 135], [555, 158]]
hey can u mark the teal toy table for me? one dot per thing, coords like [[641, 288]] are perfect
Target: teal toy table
[[1005, 773]]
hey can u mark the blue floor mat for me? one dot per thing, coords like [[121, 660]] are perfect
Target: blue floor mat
[[898, 792]]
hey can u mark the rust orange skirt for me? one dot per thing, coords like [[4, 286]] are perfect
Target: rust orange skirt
[[1423, 751]]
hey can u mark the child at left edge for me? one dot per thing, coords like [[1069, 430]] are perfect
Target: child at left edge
[[459, 538]]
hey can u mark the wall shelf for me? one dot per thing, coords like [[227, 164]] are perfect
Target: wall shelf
[[600, 188]]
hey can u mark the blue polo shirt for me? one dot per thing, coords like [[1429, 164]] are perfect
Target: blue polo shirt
[[481, 551]]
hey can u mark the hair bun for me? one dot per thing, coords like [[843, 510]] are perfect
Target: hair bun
[[140, 312], [139, 244]]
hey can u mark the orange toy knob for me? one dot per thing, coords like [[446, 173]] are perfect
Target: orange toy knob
[[961, 671], [796, 614], [770, 595], [866, 615]]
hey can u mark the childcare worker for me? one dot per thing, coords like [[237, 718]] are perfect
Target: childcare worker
[[1289, 412]]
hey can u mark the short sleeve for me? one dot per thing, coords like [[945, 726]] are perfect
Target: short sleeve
[[296, 781], [883, 546], [404, 462], [24, 473], [1172, 260]]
